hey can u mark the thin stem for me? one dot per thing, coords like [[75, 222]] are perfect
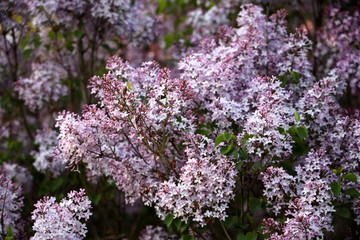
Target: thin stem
[[226, 233]]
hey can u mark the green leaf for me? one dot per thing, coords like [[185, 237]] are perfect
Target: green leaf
[[287, 165], [161, 6], [227, 137], [168, 38], [344, 212], [51, 34], [235, 155], [37, 41], [352, 192], [350, 177], [247, 137], [187, 237], [55, 184], [177, 222], [183, 227], [69, 46], [202, 131], [168, 220], [129, 86], [230, 221], [292, 131], [254, 203], [243, 154], [106, 46], [225, 150], [79, 34], [244, 226], [219, 139], [24, 42], [283, 80], [241, 236], [297, 117], [302, 132], [239, 164], [250, 218], [338, 170], [335, 188], [96, 198], [251, 236], [9, 231], [27, 53], [257, 165], [295, 76]]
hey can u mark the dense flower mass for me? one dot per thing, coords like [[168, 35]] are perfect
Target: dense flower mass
[[204, 187], [128, 19], [43, 86], [11, 203], [155, 233], [221, 72], [182, 119], [62, 220], [44, 156], [308, 198], [18, 174]]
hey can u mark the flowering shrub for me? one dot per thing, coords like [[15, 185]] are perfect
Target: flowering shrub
[[181, 119]]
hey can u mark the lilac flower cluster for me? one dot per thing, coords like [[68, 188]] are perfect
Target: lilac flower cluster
[[155, 233], [135, 132], [44, 156], [220, 72], [43, 86], [19, 174], [246, 128], [269, 108], [62, 220], [339, 44], [204, 187], [11, 203], [306, 198], [132, 21]]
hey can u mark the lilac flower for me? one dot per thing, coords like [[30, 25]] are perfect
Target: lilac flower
[[43, 86], [308, 195], [11, 203], [204, 187], [155, 233], [222, 70], [44, 157], [62, 220], [338, 44], [19, 174]]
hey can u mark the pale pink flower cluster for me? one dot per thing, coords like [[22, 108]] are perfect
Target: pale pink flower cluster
[[308, 196], [203, 189], [221, 71], [44, 156], [206, 22], [42, 86], [132, 138], [11, 203], [338, 43], [134, 21], [64, 220], [277, 187], [270, 108], [18, 174], [140, 110], [156, 233], [356, 208]]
